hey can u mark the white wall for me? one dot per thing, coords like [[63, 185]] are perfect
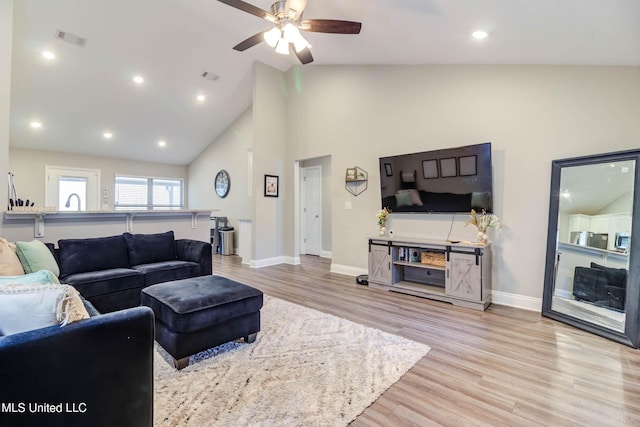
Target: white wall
[[531, 114], [623, 203], [228, 152], [269, 120], [6, 33], [28, 166]]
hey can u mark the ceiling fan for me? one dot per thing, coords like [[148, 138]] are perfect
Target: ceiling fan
[[286, 15]]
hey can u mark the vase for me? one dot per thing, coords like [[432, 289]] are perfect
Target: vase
[[481, 237], [382, 230]]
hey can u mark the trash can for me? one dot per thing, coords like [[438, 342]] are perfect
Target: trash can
[[226, 240]]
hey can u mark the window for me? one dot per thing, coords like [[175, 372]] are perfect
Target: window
[[139, 193], [72, 193], [76, 187]]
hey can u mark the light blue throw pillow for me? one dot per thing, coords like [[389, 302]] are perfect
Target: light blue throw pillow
[[41, 277]]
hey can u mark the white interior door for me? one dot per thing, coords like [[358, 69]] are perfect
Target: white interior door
[[312, 210], [72, 189]]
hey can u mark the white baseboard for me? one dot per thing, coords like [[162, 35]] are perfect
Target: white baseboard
[[348, 270], [268, 262], [517, 301], [326, 254]]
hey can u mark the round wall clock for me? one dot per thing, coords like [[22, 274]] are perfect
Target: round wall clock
[[222, 183]]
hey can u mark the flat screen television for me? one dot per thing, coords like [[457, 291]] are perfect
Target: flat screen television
[[452, 180]]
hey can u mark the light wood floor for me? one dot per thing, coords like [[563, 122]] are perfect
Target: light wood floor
[[501, 367]]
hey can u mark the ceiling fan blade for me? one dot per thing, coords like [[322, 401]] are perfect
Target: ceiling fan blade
[[295, 8], [249, 8], [330, 26], [250, 42], [304, 55]]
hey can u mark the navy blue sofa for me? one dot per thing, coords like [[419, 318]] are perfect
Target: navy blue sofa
[[111, 271], [94, 372]]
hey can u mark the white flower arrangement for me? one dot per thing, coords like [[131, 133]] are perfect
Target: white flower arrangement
[[482, 222], [381, 216]]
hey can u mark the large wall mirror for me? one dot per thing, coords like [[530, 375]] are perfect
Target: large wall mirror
[[592, 264]]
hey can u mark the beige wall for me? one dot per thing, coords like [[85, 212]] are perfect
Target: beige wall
[[28, 166], [269, 120], [6, 33], [356, 114], [531, 114], [230, 152]]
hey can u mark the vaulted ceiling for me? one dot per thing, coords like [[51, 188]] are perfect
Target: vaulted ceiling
[[86, 91]]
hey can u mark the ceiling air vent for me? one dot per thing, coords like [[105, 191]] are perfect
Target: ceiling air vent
[[71, 38], [210, 76]]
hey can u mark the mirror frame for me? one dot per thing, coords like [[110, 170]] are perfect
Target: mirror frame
[[631, 335]]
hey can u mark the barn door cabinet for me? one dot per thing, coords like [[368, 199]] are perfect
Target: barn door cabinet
[[457, 273]]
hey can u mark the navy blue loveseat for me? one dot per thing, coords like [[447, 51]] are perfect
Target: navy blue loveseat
[[111, 271], [93, 372]]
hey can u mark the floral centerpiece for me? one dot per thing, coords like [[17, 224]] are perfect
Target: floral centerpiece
[[381, 218], [482, 222]]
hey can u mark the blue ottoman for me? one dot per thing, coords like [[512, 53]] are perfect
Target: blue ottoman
[[192, 315]]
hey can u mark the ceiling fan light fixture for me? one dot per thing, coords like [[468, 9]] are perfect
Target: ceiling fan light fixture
[[301, 43], [272, 36], [291, 33], [282, 47]]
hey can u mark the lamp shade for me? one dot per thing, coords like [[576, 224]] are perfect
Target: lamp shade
[[300, 43], [282, 47], [272, 36], [291, 33]]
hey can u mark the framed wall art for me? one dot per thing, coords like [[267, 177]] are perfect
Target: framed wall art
[[467, 165], [430, 169], [448, 167], [271, 184]]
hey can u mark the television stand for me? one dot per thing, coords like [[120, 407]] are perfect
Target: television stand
[[457, 273]]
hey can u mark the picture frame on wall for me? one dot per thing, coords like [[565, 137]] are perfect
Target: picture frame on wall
[[448, 167], [430, 169], [388, 170], [271, 185], [467, 165]]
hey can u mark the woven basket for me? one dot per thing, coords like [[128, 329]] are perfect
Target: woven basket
[[433, 258]]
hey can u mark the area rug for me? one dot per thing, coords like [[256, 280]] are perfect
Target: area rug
[[306, 368]]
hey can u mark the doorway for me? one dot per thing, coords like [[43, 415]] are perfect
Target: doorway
[[311, 210], [313, 207]]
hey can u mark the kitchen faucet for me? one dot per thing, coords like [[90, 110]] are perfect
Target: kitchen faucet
[[66, 205]]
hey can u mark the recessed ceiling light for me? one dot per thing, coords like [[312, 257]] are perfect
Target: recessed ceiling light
[[161, 143], [48, 55], [36, 125], [479, 35], [107, 135], [138, 79], [201, 98]]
